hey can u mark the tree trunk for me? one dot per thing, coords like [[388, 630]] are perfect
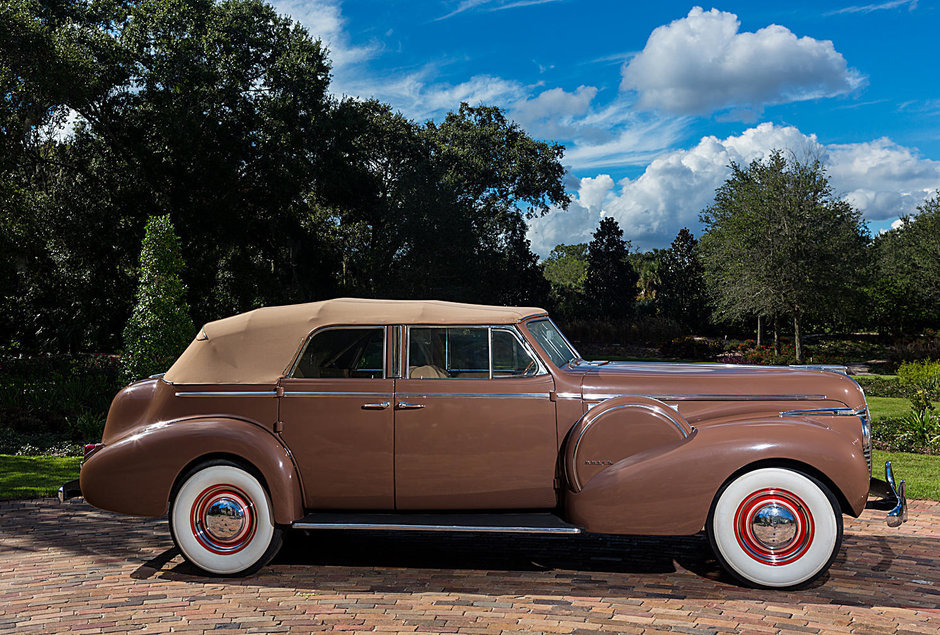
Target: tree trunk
[[796, 339], [776, 334], [759, 332]]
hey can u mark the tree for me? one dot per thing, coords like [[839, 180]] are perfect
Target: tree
[[160, 327], [216, 111], [681, 293], [779, 243], [906, 290], [566, 266], [610, 287]]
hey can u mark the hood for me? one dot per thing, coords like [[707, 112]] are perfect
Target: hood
[[720, 382]]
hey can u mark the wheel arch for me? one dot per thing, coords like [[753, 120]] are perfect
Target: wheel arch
[[798, 466], [138, 474]]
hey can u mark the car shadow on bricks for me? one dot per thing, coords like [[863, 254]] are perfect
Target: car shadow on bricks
[[876, 567], [871, 573]]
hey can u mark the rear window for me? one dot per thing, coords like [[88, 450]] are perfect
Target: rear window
[[340, 353]]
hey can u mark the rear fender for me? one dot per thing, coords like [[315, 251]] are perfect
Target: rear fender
[[136, 474], [668, 490]]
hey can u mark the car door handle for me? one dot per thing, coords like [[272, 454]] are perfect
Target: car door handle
[[401, 405], [382, 405]]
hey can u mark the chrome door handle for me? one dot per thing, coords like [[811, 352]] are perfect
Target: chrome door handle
[[382, 405], [401, 405]]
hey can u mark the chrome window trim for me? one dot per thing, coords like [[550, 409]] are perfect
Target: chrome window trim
[[512, 328], [709, 397], [303, 349], [545, 318], [827, 412]]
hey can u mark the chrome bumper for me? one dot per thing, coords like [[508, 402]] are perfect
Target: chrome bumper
[[892, 498], [69, 490]]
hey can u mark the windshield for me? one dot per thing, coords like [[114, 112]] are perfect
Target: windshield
[[552, 342]]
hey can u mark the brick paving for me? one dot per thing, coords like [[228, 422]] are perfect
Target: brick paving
[[73, 568]]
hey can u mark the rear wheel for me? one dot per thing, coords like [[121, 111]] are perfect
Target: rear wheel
[[775, 527], [222, 522]]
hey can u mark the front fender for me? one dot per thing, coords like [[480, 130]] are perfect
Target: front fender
[[135, 475], [668, 490]]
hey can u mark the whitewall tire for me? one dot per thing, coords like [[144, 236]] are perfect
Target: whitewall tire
[[222, 522], [775, 527]]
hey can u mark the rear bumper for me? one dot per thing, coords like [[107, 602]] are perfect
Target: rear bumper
[[892, 497], [72, 489]]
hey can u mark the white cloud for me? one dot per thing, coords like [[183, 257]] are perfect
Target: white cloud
[[881, 178], [491, 5], [324, 20], [703, 63], [868, 8]]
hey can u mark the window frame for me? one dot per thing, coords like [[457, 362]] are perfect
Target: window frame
[[405, 371], [545, 318], [344, 327]]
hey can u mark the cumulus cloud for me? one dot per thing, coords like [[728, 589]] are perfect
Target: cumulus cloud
[[881, 178], [703, 63]]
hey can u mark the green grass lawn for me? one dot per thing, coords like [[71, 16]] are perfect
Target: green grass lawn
[[920, 471], [885, 407], [34, 476]]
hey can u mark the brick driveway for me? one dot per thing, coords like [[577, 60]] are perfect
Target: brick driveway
[[73, 568]]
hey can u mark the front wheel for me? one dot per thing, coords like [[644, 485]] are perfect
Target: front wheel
[[221, 520], [775, 527]]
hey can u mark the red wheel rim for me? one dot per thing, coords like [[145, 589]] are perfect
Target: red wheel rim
[[790, 506], [222, 519]]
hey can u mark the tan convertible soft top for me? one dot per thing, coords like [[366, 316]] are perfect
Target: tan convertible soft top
[[256, 347]]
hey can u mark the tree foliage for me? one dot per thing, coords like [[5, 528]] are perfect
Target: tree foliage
[[610, 287], [219, 113], [779, 243], [906, 290], [681, 293], [160, 326]]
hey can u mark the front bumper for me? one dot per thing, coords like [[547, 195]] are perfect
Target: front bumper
[[893, 499]]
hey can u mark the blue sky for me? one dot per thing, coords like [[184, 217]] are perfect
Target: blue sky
[[653, 100]]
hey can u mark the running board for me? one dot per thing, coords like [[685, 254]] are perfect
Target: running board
[[526, 523]]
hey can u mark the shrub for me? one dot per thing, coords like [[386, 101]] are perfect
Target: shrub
[[880, 386], [921, 382], [689, 348], [160, 327], [914, 432]]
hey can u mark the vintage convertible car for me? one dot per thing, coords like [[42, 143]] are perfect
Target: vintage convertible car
[[435, 416]]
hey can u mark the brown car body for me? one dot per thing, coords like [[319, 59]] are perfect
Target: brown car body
[[625, 448]]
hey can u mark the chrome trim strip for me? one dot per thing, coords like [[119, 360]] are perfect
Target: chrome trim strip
[[716, 397], [506, 395], [577, 443], [828, 412], [222, 393], [568, 395], [448, 528], [302, 393]]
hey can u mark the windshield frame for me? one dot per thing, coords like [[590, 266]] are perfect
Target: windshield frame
[[575, 356]]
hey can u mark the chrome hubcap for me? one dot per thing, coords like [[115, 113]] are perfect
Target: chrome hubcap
[[774, 526], [225, 519]]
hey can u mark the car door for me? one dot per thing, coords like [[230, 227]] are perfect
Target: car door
[[473, 430], [338, 421]]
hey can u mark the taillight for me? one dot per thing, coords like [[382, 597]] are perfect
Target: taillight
[[91, 448]]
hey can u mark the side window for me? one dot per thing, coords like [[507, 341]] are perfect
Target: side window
[[336, 353], [510, 358], [448, 352]]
